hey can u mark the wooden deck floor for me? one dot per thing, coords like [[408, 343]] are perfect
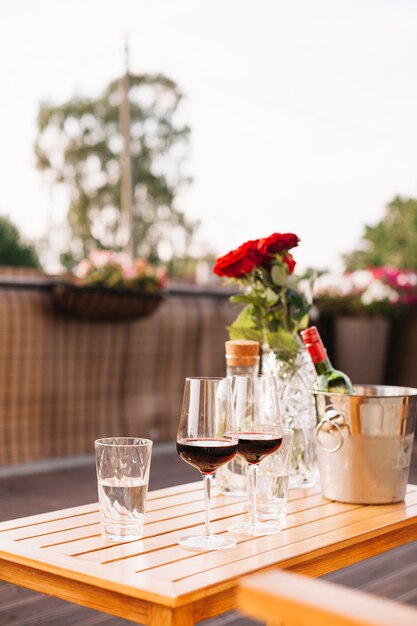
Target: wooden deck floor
[[393, 574]]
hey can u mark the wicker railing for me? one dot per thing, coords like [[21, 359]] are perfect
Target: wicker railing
[[65, 382]]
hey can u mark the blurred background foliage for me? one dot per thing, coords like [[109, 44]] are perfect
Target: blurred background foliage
[[14, 252], [392, 241], [79, 147]]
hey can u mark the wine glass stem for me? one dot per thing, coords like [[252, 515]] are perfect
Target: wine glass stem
[[207, 493], [252, 476]]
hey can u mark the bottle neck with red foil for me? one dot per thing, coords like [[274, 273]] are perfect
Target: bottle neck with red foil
[[323, 366], [318, 354], [329, 379]]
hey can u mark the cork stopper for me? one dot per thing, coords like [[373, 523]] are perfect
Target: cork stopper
[[242, 352]]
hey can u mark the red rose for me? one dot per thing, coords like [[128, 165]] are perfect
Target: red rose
[[277, 242], [238, 262], [289, 260]]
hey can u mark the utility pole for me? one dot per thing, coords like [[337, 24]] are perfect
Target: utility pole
[[126, 184]]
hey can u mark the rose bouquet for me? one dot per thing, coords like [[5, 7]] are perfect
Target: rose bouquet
[[275, 305], [116, 270]]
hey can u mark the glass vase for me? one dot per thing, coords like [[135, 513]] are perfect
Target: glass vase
[[295, 379]]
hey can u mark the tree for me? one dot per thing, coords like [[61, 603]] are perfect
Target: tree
[[79, 146], [393, 241], [13, 251]]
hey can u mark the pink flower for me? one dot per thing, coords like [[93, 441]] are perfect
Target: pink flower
[[122, 259], [83, 268], [128, 272], [99, 258], [162, 276], [141, 266]]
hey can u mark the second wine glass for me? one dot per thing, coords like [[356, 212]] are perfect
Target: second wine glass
[[259, 429]]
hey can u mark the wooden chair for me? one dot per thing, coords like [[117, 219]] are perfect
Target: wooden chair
[[284, 599]]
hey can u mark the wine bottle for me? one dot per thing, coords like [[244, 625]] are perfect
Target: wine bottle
[[242, 359], [328, 378]]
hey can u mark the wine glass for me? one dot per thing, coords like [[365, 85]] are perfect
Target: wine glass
[[255, 401], [207, 439]]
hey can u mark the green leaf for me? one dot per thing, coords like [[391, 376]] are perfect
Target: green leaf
[[271, 298], [244, 328], [244, 319], [279, 275], [282, 341], [240, 298], [236, 332], [251, 299], [303, 323], [294, 298]]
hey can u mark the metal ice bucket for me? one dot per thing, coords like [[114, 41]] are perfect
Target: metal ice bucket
[[364, 443]]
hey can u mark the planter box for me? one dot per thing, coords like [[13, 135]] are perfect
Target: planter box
[[100, 303], [402, 363], [361, 346]]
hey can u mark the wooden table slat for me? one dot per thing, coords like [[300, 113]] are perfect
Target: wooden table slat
[[332, 523], [159, 578], [89, 544], [325, 546]]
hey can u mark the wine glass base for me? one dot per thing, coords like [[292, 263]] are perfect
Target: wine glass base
[[204, 542], [257, 529]]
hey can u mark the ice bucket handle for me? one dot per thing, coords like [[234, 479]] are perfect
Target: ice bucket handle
[[333, 423]]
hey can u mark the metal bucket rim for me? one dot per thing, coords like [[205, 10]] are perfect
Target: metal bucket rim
[[396, 392]]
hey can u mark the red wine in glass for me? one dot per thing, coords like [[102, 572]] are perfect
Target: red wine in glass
[[208, 454], [207, 439], [255, 446], [259, 430]]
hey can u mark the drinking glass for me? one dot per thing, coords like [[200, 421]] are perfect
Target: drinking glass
[[273, 478], [255, 402], [123, 465], [207, 439]]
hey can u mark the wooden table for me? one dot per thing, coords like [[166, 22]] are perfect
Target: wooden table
[[155, 581]]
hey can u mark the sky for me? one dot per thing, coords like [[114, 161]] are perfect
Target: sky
[[303, 114]]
